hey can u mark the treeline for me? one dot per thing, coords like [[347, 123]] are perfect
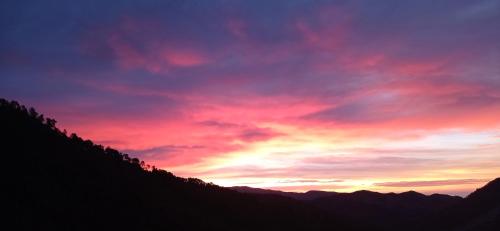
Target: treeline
[[21, 112], [63, 182]]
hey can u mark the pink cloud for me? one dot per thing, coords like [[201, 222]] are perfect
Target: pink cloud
[[330, 30], [237, 28], [413, 184], [127, 56], [183, 58], [134, 45]]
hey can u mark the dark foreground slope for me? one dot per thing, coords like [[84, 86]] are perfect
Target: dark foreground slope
[[60, 182]]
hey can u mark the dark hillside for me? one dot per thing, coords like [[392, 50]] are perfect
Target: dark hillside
[[60, 182]]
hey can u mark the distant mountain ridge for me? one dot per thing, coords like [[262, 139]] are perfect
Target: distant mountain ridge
[[316, 194], [383, 209], [57, 181], [307, 196], [480, 210]]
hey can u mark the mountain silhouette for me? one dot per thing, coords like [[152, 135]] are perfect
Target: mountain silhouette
[[61, 182], [480, 210], [57, 181], [385, 210], [307, 196]]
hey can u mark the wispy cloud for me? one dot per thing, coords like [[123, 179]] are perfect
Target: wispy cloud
[[412, 184]]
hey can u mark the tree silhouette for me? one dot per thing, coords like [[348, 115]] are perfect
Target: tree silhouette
[[69, 183]]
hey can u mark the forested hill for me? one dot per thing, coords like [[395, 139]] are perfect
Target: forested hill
[[61, 182]]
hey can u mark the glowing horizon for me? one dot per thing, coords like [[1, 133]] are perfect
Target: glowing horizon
[[288, 95]]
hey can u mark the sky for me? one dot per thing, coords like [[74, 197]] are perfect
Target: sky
[[291, 95]]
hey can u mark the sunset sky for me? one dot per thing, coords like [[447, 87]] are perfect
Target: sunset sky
[[387, 96]]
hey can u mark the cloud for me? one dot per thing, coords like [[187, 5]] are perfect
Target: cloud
[[218, 124], [309, 181], [412, 184], [161, 150], [243, 132], [257, 134], [337, 88]]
